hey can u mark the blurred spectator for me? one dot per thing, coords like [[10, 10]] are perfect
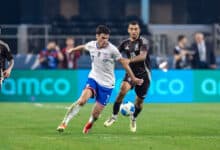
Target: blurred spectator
[[49, 58], [204, 57], [182, 56], [70, 60]]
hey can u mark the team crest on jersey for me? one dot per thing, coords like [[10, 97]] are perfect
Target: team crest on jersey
[[126, 47]]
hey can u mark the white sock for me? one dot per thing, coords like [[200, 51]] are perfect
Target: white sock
[[73, 111], [92, 119], [114, 116]]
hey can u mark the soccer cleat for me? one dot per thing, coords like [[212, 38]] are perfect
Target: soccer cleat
[[110, 121], [133, 125], [87, 128], [61, 127]]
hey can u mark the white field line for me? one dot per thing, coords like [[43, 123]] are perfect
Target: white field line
[[47, 106]]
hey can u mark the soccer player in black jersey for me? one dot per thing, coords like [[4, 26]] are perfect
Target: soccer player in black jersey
[[136, 49], [5, 54]]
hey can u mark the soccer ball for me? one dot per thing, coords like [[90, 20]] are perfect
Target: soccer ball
[[127, 108]]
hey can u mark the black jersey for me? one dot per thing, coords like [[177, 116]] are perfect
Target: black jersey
[[132, 49], [4, 54]]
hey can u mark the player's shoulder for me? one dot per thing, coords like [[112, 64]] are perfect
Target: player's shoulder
[[91, 43], [113, 47], [125, 41], [5, 45], [143, 40]]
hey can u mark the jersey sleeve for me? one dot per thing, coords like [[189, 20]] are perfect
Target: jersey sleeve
[[176, 51], [121, 47], [145, 44], [88, 46], [7, 51], [116, 54]]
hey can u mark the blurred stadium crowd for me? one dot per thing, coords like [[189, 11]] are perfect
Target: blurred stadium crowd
[[39, 36]]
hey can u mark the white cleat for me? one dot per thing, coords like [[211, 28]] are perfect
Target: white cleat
[[110, 121], [133, 126]]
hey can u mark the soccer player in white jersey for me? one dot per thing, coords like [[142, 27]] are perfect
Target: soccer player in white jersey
[[101, 78]]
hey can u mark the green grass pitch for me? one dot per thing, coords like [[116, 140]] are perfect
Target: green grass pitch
[[29, 126]]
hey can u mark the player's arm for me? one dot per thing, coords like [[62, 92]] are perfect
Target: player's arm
[[143, 52], [7, 72], [183, 52], [78, 48], [140, 57], [125, 63], [10, 59]]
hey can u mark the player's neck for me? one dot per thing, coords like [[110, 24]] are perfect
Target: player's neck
[[100, 47], [133, 39]]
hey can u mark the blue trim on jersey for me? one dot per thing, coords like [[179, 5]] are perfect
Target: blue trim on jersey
[[102, 94]]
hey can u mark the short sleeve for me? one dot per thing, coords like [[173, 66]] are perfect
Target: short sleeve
[[7, 51], [116, 54], [145, 44], [89, 46], [176, 51], [121, 47]]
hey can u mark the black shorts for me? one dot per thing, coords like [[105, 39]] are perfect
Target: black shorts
[[140, 90]]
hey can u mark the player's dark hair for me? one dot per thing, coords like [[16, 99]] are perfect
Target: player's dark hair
[[133, 23], [102, 29], [180, 38]]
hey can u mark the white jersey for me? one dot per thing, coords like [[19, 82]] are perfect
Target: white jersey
[[103, 63]]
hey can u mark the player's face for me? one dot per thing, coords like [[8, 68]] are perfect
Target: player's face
[[102, 39], [70, 42], [134, 31]]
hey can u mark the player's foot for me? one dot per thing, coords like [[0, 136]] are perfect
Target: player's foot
[[87, 127], [61, 127], [110, 121], [133, 126]]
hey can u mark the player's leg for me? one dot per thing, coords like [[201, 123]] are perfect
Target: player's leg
[[98, 108], [138, 108], [74, 108], [125, 87], [102, 98], [1, 77], [141, 92]]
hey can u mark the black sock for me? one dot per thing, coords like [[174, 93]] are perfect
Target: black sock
[[116, 108], [137, 111]]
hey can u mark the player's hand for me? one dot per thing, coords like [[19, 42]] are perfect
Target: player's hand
[[138, 81], [7, 73]]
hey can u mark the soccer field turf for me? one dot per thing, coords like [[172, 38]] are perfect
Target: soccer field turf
[[28, 126]]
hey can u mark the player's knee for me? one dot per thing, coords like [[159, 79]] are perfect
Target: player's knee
[[81, 102], [123, 91]]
